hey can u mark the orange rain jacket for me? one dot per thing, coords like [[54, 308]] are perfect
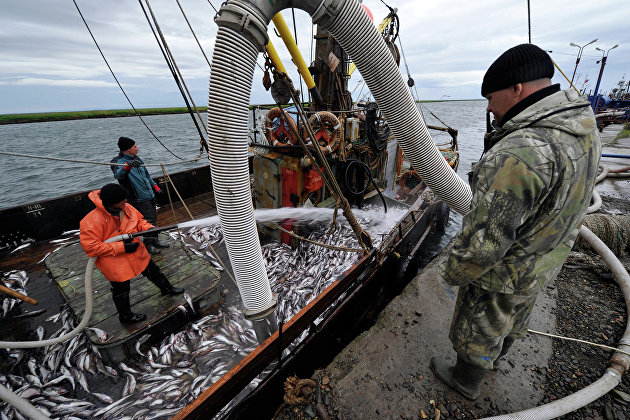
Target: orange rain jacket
[[99, 225]]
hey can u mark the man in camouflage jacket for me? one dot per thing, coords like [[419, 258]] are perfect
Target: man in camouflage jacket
[[531, 190]]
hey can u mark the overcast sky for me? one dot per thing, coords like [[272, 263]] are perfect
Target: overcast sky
[[50, 63]]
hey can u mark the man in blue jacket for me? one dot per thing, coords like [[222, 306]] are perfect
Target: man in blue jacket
[[142, 189]]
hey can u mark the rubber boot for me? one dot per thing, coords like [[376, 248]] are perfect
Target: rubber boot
[[121, 301], [164, 285], [464, 377], [507, 343], [149, 243], [158, 244]]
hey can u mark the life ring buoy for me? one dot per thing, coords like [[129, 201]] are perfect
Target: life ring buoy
[[327, 130], [281, 135], [409, 180]]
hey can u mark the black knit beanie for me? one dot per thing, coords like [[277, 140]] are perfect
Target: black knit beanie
[[125, 143], [112, 194], [519, 64]]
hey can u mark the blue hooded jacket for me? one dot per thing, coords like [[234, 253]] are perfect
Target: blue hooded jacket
[[138, 178]]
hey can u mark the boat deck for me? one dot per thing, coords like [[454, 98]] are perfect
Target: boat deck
[[66, 267], [182, 267]]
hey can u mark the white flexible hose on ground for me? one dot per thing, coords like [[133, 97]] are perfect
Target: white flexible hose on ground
[[20, 403], [597, 199], [619, 361]]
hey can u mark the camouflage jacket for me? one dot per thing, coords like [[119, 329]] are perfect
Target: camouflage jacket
[[530, 195]]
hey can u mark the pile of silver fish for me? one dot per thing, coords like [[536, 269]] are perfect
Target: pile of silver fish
[[15, 280], [298, 275], [164, 377], [162, 380]]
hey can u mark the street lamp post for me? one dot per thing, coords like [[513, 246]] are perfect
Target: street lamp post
[[595, 99], [577, 61]]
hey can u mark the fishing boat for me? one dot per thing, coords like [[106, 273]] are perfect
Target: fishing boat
[[305, 289]]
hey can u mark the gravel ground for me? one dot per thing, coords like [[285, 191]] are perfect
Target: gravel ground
[[589, 306]]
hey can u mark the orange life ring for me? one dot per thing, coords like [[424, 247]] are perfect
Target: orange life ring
[[327, 129], [282, 134]]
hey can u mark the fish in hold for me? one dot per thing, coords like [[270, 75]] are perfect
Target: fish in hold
[[15, 280]]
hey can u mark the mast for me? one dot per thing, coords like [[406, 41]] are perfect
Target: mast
[[330, 70]]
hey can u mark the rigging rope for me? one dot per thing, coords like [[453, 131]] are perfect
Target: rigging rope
[[119, 85], [170, 61], [193, 32], [323, 245], [529, 23], [365, 241], [91, 162], [296, 44]]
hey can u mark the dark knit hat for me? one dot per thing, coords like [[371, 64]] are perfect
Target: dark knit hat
[[523, 63], [125, 143], [112, 194]]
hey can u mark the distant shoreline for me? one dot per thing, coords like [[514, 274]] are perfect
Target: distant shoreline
[[114, 113]]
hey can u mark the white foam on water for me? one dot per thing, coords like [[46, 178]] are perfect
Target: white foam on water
[[372, 219]]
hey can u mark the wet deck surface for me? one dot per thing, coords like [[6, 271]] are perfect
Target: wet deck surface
[[182, 267], [42, 288]]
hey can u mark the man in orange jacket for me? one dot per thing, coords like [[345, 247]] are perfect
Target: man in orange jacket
[[120, 261]]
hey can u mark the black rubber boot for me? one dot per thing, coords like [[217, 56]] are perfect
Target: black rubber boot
[[158, 244], [463, 377], [121, 301], [165, 286], [150, 244], [507, 343]]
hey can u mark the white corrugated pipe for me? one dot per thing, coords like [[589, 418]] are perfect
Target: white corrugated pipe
[[358, 36], [242, 33], [231, 77], [619, 362]]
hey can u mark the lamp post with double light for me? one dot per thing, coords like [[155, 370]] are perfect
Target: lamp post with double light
[[577, 61], [595, 98]]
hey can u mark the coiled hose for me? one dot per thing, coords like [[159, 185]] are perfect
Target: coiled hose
[[366, 169], [20, 403], [619, 361], [610, 173]]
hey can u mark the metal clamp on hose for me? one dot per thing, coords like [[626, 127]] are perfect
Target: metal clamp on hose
[[245, 21], [326, 12]]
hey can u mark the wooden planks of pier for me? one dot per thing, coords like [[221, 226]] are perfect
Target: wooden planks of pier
[[183, 269]]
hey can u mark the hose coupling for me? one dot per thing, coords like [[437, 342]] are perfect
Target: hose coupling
[[243, 18]]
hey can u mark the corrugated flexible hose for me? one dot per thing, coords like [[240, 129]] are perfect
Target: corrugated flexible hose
[[231, 78], [358, 36]]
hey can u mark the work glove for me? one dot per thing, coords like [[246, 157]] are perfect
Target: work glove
[[130, 246], [158, 190], [135, 163]]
